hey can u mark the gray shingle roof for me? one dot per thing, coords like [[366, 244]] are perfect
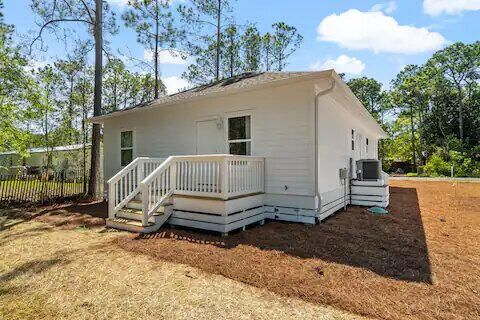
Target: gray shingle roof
[[243, 81]]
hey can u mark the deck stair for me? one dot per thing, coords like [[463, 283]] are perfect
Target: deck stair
[[140, 196], [130, 218]]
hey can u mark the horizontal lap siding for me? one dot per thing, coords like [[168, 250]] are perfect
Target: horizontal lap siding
[[286, 139], [334, 136], [282, 132]]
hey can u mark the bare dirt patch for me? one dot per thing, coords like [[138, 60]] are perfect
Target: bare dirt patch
[[420, 262], [88, 214]]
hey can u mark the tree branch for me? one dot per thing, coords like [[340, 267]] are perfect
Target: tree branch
[[88, 11], [46, 24]]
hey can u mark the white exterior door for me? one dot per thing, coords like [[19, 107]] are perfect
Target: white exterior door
[[209, 138]]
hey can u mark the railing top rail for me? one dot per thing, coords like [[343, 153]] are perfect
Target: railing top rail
[[171, 159], [127, 168], [217, 156], [160, 168], [130, 166]]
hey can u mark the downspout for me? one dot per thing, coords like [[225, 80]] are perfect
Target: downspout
[[317, 96]]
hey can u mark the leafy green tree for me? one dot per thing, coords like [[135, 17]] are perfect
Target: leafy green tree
[[267, 51], [231, 54], [18, 98], [153, 23], [68, 71], [457, 66], [410, 98], [286, 40], [57, 17], [206, 20], [48, 81], [369, 92], [123, 88], [378, 102], [202, 71], [251, 46], [114, 75]]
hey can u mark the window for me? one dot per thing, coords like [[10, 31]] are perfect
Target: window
[[126, 147], [353, 140], [239, 135], [366, 145]]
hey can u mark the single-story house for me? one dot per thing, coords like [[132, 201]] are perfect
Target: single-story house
[[271, 145], [61, 157]]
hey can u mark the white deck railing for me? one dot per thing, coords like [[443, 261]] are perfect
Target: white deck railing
[[125, 185], [213, 176]]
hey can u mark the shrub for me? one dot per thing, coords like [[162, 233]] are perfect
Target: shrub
[[436, 166], [412, 174]]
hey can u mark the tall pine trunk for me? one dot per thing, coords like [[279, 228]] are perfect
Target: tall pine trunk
[[157, 87], [217, 62], [97, 102]]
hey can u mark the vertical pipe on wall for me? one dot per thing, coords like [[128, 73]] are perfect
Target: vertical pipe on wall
[[317, 96]]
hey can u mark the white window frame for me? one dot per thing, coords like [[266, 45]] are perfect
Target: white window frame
[[127, 148], [227, 128], [367, 141]]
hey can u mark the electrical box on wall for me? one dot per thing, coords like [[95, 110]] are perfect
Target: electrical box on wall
[[343, 173]]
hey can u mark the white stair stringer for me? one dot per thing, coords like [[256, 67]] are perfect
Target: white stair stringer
[[131, 220]]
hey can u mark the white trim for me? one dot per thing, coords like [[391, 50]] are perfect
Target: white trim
[[133, 148], [238, 114]]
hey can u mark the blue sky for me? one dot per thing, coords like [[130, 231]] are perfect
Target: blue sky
[[362, 38]]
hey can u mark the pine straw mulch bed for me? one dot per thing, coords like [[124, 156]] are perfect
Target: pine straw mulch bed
[[420, 262]]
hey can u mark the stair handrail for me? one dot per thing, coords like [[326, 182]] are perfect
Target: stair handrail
[[157, 188], [113, 206], [126, 169], [132, 187]]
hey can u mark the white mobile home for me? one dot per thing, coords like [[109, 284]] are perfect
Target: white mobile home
[[59, 157], [253, 147]]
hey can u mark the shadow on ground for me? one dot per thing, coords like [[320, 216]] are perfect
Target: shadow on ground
[[392, 246], [86, 214]]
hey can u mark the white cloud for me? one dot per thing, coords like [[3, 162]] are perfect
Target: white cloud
[[175, 84], [387, 7], [342, 64], [357, 30], [437, 7], [166, 57]]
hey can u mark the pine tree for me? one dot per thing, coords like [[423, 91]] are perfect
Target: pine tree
[[153, 23]]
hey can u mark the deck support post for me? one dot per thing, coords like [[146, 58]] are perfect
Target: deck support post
[[224, 179], [111, 201]]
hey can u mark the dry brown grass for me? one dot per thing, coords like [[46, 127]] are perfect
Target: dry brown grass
[[420, 262], [49, 272]]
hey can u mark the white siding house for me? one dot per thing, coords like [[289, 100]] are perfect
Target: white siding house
[[301, 125]]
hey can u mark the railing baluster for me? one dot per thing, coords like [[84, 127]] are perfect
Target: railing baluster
[[209, 176]]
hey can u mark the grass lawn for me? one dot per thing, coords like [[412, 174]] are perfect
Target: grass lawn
[[420, 262]]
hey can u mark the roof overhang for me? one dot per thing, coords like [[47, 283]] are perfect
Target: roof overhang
[[355, 106], [225, 92]]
